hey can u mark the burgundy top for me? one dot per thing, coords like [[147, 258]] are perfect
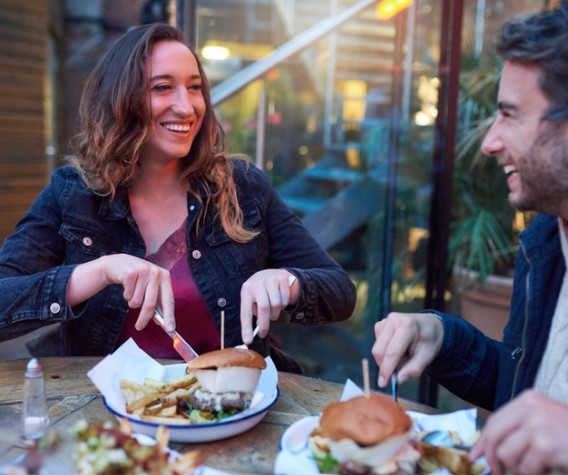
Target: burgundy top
[[193, 321]]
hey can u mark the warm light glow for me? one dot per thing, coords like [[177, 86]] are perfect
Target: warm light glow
[[388, 8], [216, 53], [354, 92]]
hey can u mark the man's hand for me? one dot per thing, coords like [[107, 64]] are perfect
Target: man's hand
[[527, 436], [406, 343]]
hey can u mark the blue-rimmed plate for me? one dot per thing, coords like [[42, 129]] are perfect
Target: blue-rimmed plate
[[266, 394]]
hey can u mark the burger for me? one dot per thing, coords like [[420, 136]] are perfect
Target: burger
[[365, 435], [227, 380]]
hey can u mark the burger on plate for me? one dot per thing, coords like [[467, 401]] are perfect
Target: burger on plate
[[227, 379], [365, 435]]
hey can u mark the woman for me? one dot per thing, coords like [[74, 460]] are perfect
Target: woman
[[152, 213]]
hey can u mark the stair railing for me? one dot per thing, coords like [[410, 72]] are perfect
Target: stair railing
[[245, 76]]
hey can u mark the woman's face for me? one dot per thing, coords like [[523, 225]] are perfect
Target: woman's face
[[176, 102]]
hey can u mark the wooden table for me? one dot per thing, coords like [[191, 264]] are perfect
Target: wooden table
[[71, 396]]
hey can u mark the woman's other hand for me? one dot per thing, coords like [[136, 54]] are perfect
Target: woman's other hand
[[265, 294]]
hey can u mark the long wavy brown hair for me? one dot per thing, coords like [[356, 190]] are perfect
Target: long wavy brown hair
[[114, 118]]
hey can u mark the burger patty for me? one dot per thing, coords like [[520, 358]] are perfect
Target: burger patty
[[215, 402]]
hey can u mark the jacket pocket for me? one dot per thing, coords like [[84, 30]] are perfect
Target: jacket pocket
[[84, 244], [240, 259]]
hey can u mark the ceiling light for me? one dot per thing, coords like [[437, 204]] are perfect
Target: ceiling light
[[388, 8], [218, 53]]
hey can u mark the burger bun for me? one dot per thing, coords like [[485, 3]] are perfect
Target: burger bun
[[228, 370], [369, 430]]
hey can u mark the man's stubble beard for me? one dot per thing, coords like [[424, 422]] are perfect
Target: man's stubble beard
[[543, 174]]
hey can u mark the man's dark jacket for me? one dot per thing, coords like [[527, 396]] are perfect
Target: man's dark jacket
[[489, 373]]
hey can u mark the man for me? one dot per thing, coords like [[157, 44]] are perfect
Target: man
[[527, 373]]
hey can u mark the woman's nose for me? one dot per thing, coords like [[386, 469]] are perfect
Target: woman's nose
[[182, 104]]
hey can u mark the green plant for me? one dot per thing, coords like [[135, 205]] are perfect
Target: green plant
[[482, 238]]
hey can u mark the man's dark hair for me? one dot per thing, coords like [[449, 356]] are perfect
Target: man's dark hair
[[542, 38]]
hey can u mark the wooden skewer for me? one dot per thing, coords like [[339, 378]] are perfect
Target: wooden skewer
[[222, 329], [366, 384]]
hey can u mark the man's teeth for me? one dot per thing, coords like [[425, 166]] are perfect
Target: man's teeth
[[177, 127], [509, 169]]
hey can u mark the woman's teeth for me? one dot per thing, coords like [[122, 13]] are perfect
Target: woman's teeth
[[177, 127]]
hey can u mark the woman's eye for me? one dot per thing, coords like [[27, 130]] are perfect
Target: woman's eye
[[195, 87], [160, 87]]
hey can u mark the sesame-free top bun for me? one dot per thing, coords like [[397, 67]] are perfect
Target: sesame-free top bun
[[228, 357], [366, 420], [228, 370]]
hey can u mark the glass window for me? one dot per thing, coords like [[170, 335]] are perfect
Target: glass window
[[346, 128]]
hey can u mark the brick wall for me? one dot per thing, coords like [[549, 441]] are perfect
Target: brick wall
[[23, 33]]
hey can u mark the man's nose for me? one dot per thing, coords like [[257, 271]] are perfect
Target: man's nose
[[492, 143]]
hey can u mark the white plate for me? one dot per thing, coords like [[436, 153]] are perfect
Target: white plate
[[267, 394], [295, 457]]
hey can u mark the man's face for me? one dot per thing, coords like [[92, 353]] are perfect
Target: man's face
[[533, 153]]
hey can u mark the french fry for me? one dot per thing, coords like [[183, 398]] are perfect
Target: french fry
[[154, 384], [188, 462], [455, 460], [162, 437], [158, 400], [142, 402], [169, 411]]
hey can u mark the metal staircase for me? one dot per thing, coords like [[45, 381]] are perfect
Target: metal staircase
[[344, 188], [363, 46]]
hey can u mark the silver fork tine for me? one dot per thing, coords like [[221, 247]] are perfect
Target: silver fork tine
[[394, 386]]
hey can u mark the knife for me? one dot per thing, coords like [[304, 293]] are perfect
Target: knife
[[183, 348]]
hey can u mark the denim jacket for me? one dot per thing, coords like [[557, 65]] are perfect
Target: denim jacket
[[490, 373], [68, 225]]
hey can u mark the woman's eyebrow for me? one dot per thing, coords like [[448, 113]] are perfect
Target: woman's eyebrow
[[171, 76]]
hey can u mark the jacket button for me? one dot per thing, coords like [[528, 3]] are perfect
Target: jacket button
[[55, 308], [196, 254], [299, 316], [87, 241], [221, 302]]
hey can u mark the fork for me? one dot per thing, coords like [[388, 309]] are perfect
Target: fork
[[394, 386], [254, 333]]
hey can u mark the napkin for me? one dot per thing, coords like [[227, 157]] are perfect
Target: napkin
[[127, 362], [463, 422]]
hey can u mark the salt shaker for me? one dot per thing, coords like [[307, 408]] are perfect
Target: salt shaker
[[34, 409]]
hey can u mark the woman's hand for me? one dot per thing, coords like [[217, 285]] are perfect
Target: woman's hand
[[146, 285], [265, 294], [527, 436], [407, 341]]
